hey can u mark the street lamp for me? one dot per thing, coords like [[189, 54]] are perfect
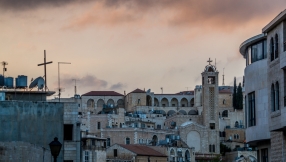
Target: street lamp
[[55, 147], [59, 81]]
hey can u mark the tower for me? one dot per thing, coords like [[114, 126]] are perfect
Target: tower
[[210, 96]]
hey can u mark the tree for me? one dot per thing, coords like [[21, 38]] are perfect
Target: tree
[[234, 98], [239, 97]]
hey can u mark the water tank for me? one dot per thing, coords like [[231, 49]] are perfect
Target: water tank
[[9, 82], [1, 80], [21, 81]]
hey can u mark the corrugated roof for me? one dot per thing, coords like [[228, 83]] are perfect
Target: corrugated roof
[[102, 93], [142, 150], [138, 91]]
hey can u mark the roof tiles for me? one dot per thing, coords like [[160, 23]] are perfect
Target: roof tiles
[[102, 93], [142, 150]]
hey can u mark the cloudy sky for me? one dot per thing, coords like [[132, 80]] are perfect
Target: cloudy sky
[[127, 44]]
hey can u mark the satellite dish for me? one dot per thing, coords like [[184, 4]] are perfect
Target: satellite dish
[[37, 82], [41, 83]]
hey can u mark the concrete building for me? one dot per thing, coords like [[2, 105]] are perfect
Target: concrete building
[[27, 120], [93, 148], [265, 89]]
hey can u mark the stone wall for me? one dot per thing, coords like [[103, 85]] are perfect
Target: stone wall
[[32, 122], [227, 98], [17, 151]]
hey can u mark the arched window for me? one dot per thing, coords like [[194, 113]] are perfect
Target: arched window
[[127, 140], [100, 103], [225, 113], [276, 46], [110, 103], [90, 103], [272, 49], [272, 98], [237, 136], [223, 101], [276, 96]]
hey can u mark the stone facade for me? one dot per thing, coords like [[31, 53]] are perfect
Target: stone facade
[[17, 151]]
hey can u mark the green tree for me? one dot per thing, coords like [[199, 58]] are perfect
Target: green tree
[[234, 98], [239, 97]]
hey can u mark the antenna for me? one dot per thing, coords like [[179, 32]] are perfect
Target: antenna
[[74, 86], [215, 62], [223, 77], [4, 63], [162, 90]]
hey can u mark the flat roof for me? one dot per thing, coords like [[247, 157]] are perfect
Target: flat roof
[[48, 93], [279, 18]]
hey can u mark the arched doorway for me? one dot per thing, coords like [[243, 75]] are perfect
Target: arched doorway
[[174, 102], [187, 156], [154, 140]]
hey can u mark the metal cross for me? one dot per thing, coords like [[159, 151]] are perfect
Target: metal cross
[[209, 61], [45, 63]]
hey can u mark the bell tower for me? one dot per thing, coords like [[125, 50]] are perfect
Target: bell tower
[[210, 96]]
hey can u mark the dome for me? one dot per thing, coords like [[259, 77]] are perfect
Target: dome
[[210, 68]]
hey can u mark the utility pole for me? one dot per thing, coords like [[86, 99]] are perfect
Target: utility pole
[[45, 70]]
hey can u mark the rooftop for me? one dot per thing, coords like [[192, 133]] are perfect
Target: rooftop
[[102, 93], [279, 18], [142, 150]]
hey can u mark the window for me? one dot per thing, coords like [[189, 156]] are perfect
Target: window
[[212, 125], [264, 155], [93, 142], [211, 148], [158, 126], [127, 140], [115, 152], [256, 52], [276, 96], [211, 80], [284, 71], [251, 109], [276, 46], [271, 49], [138, 101], [223, 101], [98, 125], [86, 156], [272, 98], [225, 113], [68, 132], [236, 125], [108, 142]]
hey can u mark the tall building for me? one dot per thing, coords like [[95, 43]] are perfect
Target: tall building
[[265, 90]]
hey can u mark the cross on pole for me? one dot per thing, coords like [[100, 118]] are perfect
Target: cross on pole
[[209, 61], [45, 71]]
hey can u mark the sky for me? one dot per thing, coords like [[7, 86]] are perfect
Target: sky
[[122, 45]]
